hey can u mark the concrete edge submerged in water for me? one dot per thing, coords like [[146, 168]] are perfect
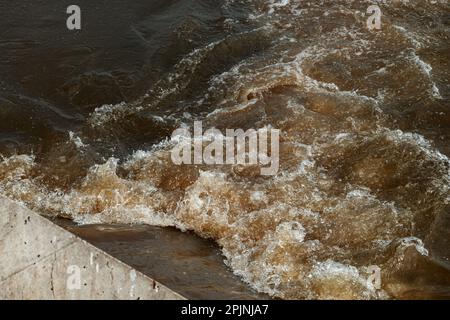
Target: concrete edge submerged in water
[[40, 260]]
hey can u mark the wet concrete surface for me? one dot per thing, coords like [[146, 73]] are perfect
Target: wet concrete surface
[[182, 261]]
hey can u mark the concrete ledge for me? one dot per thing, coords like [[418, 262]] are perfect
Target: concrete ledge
[[40, 260]]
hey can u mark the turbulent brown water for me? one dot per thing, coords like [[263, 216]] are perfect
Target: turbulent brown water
[[364, 174]]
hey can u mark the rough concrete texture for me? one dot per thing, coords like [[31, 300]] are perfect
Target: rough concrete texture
[[40, 260]]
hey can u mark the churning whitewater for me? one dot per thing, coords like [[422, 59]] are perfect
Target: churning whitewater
[[364, 121]]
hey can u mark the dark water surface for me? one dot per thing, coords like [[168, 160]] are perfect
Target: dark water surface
[[364, 174]]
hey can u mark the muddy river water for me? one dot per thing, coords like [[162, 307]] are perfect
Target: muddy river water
[[364, 119]]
